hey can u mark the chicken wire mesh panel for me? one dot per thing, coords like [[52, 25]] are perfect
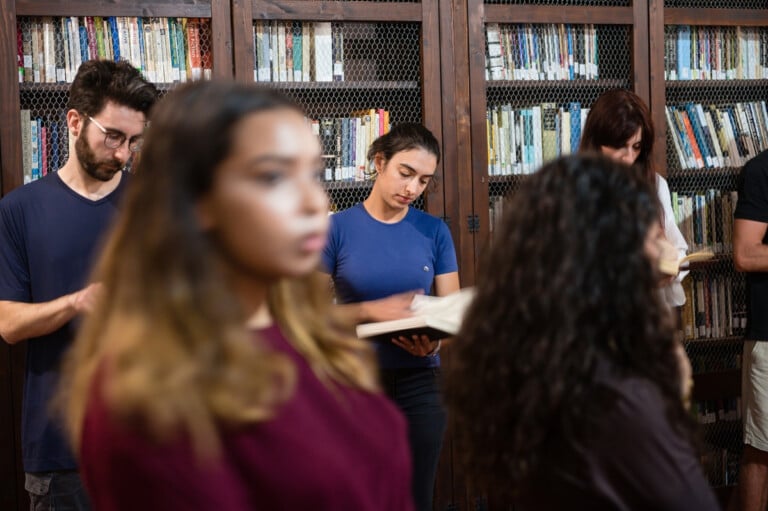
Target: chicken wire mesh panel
[[50, 50], [354, 80], [716, 365], [716, 120], [541, 80]]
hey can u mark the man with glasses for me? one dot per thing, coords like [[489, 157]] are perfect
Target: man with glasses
[[49, 234]]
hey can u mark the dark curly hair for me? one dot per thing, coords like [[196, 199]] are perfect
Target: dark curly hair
[[566, 284]]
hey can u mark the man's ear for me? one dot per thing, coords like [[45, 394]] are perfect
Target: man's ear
[[75, 122]]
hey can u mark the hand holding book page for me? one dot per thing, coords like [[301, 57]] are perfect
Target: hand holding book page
[[672, 265], [434, 316]]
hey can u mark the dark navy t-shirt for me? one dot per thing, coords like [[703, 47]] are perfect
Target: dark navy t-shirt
[[753, 205], [49, 238], [369, 259]]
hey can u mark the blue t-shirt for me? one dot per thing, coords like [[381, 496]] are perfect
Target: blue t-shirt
[[368, 260], [49, 236]]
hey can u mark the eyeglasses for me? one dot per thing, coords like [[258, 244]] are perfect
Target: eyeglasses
[[113, 140]]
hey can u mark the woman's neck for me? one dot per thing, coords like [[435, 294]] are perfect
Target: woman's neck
[[381, 211]]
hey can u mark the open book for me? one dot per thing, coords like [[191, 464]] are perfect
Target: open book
[[437, 317], [673, 266]]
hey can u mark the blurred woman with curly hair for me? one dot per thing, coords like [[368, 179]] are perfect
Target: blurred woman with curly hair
[[564, 386]]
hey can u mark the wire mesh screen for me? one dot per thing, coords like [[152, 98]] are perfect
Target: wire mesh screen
[[717, 4], [354, 81], [540, 82], [51, 49], [716, 120]]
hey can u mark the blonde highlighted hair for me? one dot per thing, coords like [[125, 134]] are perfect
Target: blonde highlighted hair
[[167, 346]]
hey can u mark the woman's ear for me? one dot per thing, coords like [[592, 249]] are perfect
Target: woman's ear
[[379, 162]]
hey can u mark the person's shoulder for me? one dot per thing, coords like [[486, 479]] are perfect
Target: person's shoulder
[[757, 164], [420, 217], [354, 214], [28, 193]]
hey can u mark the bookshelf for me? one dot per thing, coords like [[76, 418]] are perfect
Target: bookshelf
[[708, 60], [535, 68], [358, 67]]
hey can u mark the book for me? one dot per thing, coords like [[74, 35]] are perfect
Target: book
[[435, 316], [673, 266]]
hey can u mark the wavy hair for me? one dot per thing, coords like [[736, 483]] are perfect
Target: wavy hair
[[566, 284], [98, 81], [613, 119], [167, 344]]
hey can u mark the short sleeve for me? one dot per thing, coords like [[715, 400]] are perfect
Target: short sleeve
[[330, 251], [445, 260], [753, 190], [14, 268]]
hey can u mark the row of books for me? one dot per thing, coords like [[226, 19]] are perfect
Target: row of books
[[712, 411], [715, 53], [706, 218], [711, 307], [541, 52], [520, 141], [346, 141], [293, 51], [708, 136], [44, 144], [51, 49]]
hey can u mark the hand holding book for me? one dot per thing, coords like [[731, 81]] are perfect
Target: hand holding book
[[433, 316], [672, 265]]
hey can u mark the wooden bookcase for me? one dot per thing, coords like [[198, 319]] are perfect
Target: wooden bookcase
[[621, 29], [716, 355], [391, 57]]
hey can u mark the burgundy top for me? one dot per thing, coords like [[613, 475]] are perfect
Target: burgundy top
[[323, 450]]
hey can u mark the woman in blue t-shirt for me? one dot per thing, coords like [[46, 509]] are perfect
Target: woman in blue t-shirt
[[379, 254]]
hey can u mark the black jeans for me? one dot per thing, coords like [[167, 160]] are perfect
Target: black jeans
[[417, 393], [59, 491]]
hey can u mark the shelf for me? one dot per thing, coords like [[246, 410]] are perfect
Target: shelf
[[714, 84], [168, 8], [335, 11], [315, 86], [558, 14], [733, 339], [549, 84], [63, 88], [673, 173], [513, 178], [339, 186], [716, 17]]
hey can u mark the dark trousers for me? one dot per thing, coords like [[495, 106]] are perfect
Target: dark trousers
[[417, 393], [59, 491]]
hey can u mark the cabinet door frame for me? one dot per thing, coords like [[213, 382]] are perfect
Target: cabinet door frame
[[634, 16]]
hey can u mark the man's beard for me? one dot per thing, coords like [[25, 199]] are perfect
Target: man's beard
[[103, 170]]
